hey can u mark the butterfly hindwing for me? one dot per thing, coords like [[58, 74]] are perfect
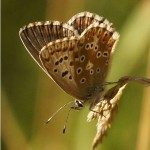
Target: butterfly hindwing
[[58, 59]]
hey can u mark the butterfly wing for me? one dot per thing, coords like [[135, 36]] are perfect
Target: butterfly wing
[[37, 35], [82, 20]]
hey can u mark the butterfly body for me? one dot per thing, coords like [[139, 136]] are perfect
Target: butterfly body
[[76, 54]]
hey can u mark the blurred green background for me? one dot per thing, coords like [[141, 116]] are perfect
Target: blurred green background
[[29, 97]]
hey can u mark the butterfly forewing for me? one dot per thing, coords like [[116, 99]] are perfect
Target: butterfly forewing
[[36, 35]]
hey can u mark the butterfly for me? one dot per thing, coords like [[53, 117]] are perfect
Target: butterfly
[[76, 55]]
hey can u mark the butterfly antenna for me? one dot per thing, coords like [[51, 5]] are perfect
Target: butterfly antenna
[[78, 105], [58, 111], [65, 125]]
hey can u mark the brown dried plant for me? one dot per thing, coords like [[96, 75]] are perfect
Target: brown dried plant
[[107, 108]]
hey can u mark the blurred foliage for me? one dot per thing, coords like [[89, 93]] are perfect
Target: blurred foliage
[[29, 97]]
